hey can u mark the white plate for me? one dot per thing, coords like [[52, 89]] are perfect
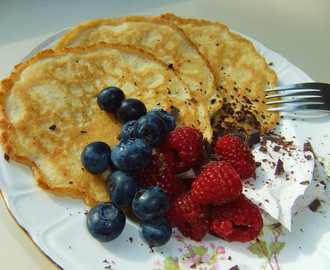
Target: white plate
[[57, 224]]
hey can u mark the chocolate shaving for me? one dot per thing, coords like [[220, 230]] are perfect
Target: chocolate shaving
[[276, 148], [253, 138], [253, 121], [246, 100], [314, 205], [52, 127], [6, 157], [308, 147], [174, 112], [208, 148], [192, 100], [323, 183], [241, 116], [227, 108], [276, 139], [279, 167], [308, 157], [304, 182], [170, 66], [288, 143]]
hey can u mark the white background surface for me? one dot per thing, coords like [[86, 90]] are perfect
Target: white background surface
[[297, 29]]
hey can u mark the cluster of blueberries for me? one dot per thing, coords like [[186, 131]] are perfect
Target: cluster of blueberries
[[141, 132]]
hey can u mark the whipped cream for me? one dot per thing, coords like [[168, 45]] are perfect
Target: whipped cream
[[284, 180]]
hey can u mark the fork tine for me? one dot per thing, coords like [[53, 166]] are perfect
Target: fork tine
[[300, 96], [314, 107], [314, 100], [298, 86], [315, 93]]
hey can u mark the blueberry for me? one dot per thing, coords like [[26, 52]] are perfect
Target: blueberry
[[105, 221], [167, 118], [128, 130], [240, 136], [151, 129], [122, 187], [109, 99], [131, 154], [156, 232], [150, 203], [96, 157], [131, 109]]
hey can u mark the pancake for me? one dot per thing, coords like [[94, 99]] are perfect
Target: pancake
[[163, 39], [241, 74], [49, 111]]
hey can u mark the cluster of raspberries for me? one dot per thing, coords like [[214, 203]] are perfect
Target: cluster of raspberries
[[210, 199]]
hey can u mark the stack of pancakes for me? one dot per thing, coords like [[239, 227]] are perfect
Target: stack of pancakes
[[48, 107]]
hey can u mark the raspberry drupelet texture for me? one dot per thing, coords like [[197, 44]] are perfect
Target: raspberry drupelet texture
[[160, 173], [240, 220], [217, 184], [191, 218], [184, 146], [238, 154]]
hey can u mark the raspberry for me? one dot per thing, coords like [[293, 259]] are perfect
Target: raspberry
[[240, 220], [192, 219], [159, 172], [217, 184], [184, 146], [238, 154]]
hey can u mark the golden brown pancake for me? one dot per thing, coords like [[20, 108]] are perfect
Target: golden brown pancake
[[163, 39], [242, 75], [49, 112]]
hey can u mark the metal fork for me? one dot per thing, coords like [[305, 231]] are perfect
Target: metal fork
[[301, 96]]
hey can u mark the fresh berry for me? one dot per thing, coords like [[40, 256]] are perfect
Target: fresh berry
[[184, 146], [150, 203], [217, 184], [105, 221], [156, 232], [96, 157], [240, 220], [128, 130], [167, 118], [151, 129], [109, 99], [131, 154], [122, 187], [238, 154], [192, 219], [131, 109], [240, 136], [160, 173]]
